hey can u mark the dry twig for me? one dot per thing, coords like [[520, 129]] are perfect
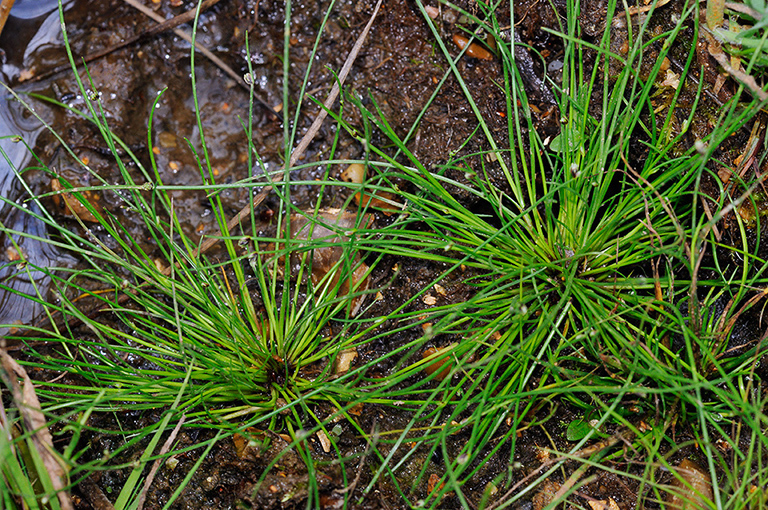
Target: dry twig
[[163, 25], [156, 464], [208, 243], [28, 405]]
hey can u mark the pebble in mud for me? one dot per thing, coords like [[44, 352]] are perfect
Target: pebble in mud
[[381, 200], [474, 50], [440, 366], [353, 173]]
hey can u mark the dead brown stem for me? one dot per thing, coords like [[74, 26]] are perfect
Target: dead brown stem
[[5, 10], [156, 465], [124, 297], [36, 426]]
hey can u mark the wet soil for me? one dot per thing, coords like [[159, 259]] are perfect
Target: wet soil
[[398, 70]]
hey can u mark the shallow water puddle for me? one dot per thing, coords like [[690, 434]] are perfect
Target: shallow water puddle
[[32, 27]]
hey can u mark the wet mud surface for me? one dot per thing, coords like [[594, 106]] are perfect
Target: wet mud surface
[[398, 69]]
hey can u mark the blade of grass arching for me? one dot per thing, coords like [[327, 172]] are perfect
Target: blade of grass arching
[[73, 242], [49, 469], [188, 477], [467, 93], [248, 126], [16, 480], [147, 211], [300, 99], [687, 70], [439, 85], [526, 172], [430, 178], [131, 484], [399, 443], [483, 430], [70, 240], [90, 250], [193, 79], [462, 403]]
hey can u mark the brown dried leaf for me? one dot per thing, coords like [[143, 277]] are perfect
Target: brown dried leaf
[[693, 491], [325, 259], [74, 207], [344, 360], [35, 424]]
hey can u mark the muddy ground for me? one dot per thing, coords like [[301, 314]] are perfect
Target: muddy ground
[[399, 67]]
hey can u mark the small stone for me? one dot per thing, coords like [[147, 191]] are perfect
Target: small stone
[[432, 12], [166, 140], [344, 360], [324, 441]]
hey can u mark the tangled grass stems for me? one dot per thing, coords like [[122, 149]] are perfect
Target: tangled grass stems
[[584, 258], [174, 328], [567, 305]]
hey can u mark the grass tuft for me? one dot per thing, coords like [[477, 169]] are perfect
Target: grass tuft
[[601, 280]]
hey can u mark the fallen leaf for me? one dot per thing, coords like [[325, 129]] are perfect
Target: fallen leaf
[[324, 441], [36, 426], [671, 80], [329, 267], [344, 360], [691, 489], [72, 206]]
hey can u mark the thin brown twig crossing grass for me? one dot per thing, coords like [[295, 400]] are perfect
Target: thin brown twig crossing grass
[[56, 320]]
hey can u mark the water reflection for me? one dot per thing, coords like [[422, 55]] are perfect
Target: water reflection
[[33, 9], [33, 25]]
